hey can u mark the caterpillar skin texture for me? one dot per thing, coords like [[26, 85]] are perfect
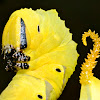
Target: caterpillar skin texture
[[42, 37], [90, 85]]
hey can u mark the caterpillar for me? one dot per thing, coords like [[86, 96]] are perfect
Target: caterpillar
[[39, 48], [90, 85]]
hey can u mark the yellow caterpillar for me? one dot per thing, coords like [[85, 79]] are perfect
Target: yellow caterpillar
[[38, 46], [90, 85]]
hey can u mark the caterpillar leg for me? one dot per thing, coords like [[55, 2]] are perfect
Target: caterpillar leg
[[8, 51], [15, 59], [19, 56], [90, 85], [13, 66]]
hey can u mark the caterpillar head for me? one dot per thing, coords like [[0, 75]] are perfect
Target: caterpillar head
[[21, 28], [34, 38], [30, 34]]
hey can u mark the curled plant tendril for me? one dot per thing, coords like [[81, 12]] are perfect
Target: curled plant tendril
[[90, 62]]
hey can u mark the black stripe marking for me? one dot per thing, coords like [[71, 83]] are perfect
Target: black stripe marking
[[23, 40]]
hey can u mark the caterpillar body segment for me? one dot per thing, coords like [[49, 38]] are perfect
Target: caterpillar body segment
[[44, 55]]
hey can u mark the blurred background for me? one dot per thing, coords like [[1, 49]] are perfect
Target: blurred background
[[79, 15]]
